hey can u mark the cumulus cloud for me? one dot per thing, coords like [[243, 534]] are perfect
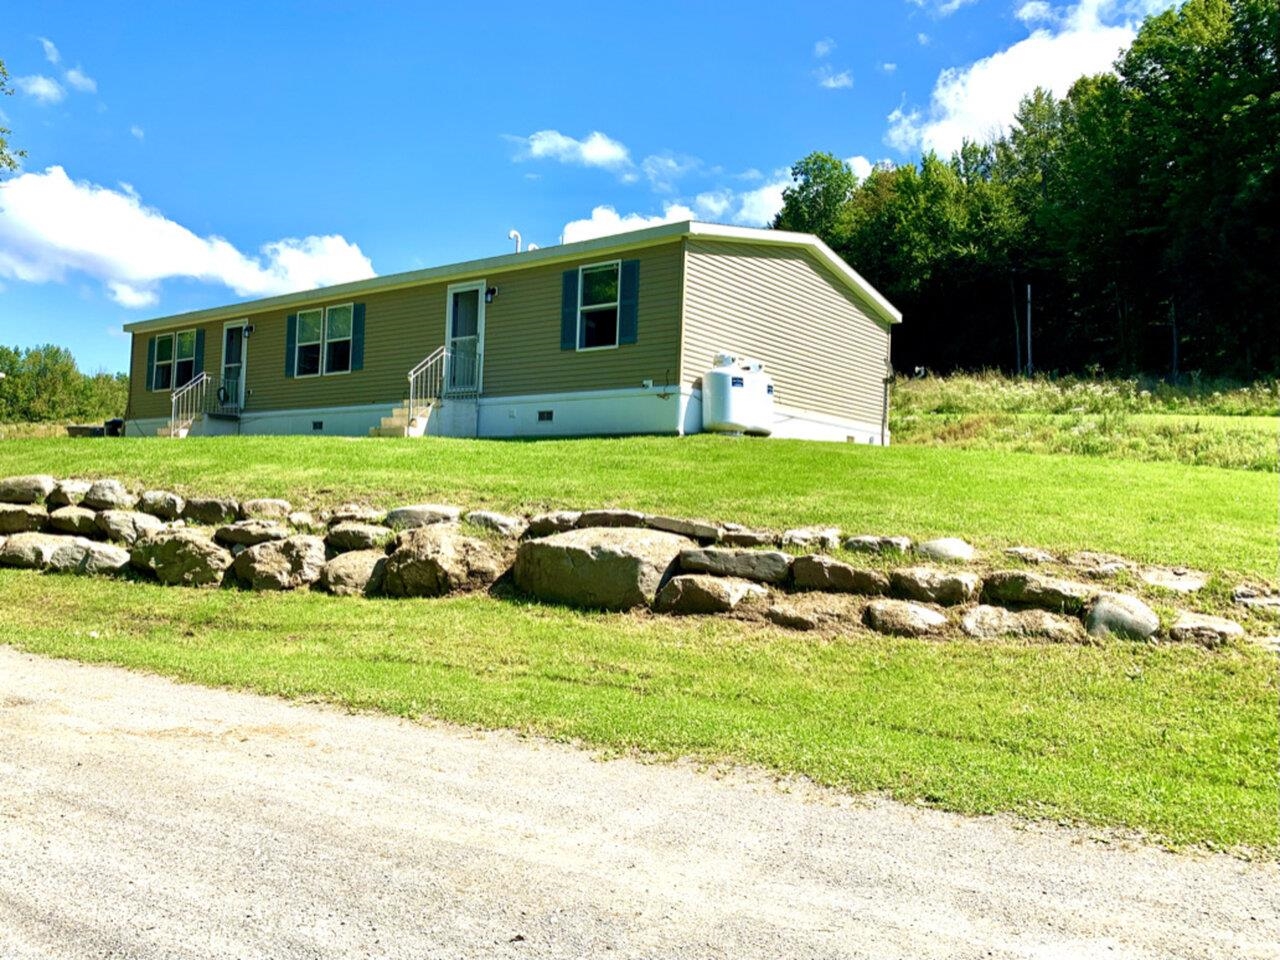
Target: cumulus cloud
[[942, 8], [606, 221], [77, 79], [50, 51], [594, 150], [43, 89], [663, 170], [52, 227], [979, 101], [713, 204], [828, 79], [888, 67], [758, 207], [860, 166], [823, 47], [137, 132]]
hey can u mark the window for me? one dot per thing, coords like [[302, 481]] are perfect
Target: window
[[310, 337], [598, 287], [337, 339], [175, 360]]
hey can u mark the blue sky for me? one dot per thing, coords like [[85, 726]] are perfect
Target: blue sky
[[182, 156]]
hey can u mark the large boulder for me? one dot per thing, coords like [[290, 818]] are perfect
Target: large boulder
[[557, 521], [610, 568], [903, 618], [181, 557], [702, 530], [22, 518], [80, 521], [736, 535], [356, 513], [500, 523], [250, 533], [421, 515], [764, 566], [358, 536], [355, 573], [812, 538], [210, 511], [701, 593], [1022, 588], [67, 493], [1204, 629], [988, 623], [931, 585], [31, 551], [434, 560], [281, 564], [266, 508], [1122, 615], [108, 495], [947, 549], [127, 526], [29, 489], [820, 572], [161, 503], [612, 518], [871, 543], [88, 557]]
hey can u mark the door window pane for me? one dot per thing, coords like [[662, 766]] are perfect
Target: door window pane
[[466, 313]]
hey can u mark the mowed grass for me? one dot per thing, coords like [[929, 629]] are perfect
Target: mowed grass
[[1214, 519], [1175, 742]]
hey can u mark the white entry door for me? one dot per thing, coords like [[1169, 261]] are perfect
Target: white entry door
[[464, 337]]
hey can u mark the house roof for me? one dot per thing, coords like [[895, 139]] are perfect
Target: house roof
[[615, 243]]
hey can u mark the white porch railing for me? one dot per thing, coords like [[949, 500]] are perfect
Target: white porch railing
[[186, 403], [445, 373]]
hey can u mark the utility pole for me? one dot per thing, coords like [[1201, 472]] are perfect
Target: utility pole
[[1030, 367]]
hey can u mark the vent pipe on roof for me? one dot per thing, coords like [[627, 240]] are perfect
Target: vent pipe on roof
[[532, 247], [515, 235]]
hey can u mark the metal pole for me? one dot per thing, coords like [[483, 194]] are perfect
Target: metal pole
[[1029, 364]]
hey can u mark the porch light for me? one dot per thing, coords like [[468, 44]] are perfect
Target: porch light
[[489, 294]]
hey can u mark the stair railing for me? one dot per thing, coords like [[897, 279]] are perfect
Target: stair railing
[[187, 402], [426, 382]]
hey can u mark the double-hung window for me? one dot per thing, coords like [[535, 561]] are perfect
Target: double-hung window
[[175, 360], [310, 343], [598, 288], [324, 341], [337, 339]]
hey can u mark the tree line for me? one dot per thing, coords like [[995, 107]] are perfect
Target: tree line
[[43, 384], [1141, 209]]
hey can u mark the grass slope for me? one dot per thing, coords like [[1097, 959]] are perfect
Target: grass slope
[[1174, 741], [1220, 520]]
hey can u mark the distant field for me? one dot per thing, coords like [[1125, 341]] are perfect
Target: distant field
[[1215, 519]]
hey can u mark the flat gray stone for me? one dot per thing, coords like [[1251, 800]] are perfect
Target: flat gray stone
[[903, 618], [870, 543], [67, 493], [946, 548], [696, 593], [1177, 579], [265, 508], [29, 489], [792, 617], [22, 517], [211, 511], [557, 521], [78, 521], [1023, 588], [610, 568], [181, 558], [502, 524], [812, 538], [359, 536], [108, 495], [702, 530], [1260, 599], [304, 522], [356, 513], [439, 559], [820, 572], [1031, 555], [989, 623], [161, 503], [355, 573], [1204, 629], [30, 551], [763, 566], [931, 585], [89, 558], [1122, 615], [1099, 566], [250, 533], [127, 526], [736, 535], [422, 515], [611, 518], [281, 564]]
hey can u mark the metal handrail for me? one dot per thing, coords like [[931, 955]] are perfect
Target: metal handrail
[[445, 373], [425, 381], [187, 402]]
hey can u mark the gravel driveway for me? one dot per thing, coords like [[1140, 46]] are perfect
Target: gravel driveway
[[142, 818]]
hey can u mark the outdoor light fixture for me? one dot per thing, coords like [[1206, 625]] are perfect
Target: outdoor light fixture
[[490, 294], [248, 329]]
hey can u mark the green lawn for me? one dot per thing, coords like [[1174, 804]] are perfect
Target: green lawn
[[1174, 741], [1216, 519]]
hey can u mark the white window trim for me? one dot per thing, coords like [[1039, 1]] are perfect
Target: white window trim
[[480, 286], [172, 362], [324, 340], [617, 305], [298, 344]]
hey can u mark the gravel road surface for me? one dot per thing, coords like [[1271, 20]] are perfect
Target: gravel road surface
[[141, 818]]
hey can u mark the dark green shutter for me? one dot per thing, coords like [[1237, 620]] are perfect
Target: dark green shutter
[[199, 354], [290, 342], [629, 302], [569, 311], [357, 337], [151, 364]]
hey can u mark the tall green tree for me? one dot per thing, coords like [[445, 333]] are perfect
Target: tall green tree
[[8, 156]]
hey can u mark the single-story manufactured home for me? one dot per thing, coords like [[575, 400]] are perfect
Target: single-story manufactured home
[[605, 336]]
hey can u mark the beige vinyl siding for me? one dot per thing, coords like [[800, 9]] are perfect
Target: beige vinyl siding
[[780, 305], [156, 403]]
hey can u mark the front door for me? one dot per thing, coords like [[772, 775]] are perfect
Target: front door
[[234, 344], [464, 338]]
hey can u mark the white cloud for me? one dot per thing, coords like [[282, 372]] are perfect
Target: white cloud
[[606, 221], [757, 207], [942, 8], [663, 170], [713, 204], [828, 79], [51, 227], [979, 101], [823, 47], [50, 51], [922, 39], [137, 132], [79, 80], [44, 89], [861, 167], [594, 150], [888, 67], [1034, 11]]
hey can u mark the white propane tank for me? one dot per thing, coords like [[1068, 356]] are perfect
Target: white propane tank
[[737, 397]]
